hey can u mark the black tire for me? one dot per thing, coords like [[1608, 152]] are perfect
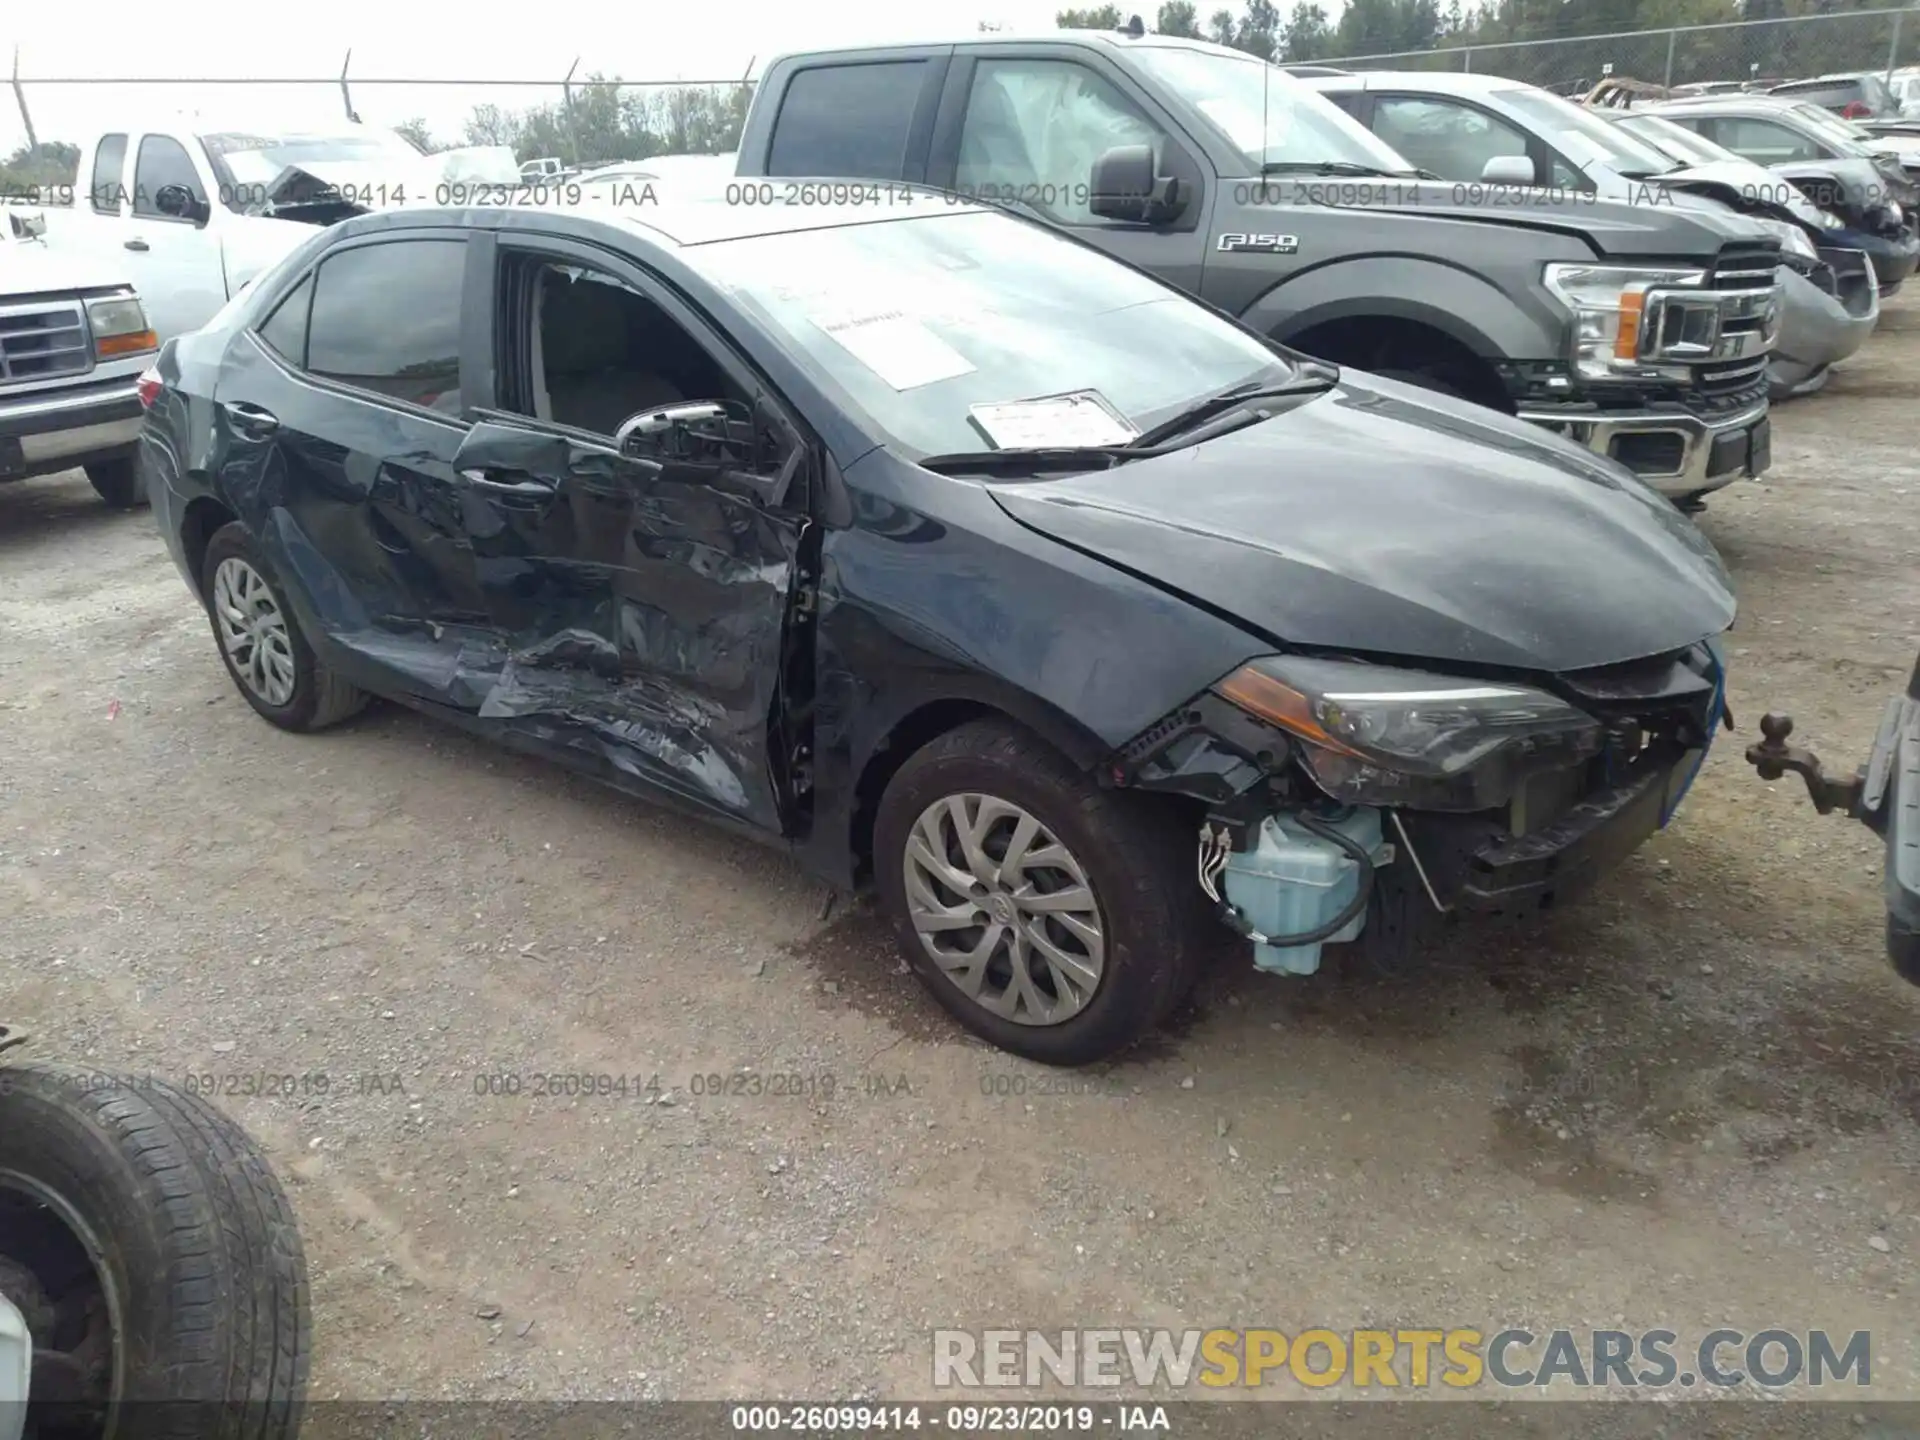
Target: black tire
[[119, 483], [1426, 380], [320, 698], [196, 1238], [1138, 859], [1903, 949]]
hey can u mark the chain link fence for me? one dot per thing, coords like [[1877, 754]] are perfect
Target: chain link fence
[[1783, 49]]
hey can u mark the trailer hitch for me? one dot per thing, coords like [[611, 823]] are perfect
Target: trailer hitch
[[1773, 758]]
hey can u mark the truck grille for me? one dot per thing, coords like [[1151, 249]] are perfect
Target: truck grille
[[43, 340], [1723, 333], [1741, 268]]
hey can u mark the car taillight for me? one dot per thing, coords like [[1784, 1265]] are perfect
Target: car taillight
[[1856, 110], [148, 386]]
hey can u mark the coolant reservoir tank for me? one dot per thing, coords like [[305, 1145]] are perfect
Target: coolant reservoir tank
[[1293, 881]]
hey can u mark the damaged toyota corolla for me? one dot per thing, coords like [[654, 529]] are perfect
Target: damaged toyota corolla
[[957, 559]]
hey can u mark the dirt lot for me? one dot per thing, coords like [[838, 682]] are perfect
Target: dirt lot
[[1695, 1104]]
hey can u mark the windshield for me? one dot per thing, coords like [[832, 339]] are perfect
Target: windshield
[[918, 320], [252, 162], [1264, 113], [1582, 136], [1675, 140]]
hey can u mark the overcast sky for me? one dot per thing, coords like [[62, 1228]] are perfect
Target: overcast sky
[[224, 38]]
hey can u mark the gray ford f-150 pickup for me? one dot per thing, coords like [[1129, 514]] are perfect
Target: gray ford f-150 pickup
[[1640, 330]]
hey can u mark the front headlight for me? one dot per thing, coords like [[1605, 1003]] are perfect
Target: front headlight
[[1606, 301], [1792, 239], [1830, 220], [1379, 735], [120, 328]]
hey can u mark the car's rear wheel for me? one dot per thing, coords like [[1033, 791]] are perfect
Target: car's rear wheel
[[118, 482], [261, 642], [1051, 917]]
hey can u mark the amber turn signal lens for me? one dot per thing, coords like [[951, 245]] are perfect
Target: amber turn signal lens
[[136, 343], [1258, 693]]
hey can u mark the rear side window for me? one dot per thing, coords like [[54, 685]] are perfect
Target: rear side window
[[386, 318], [163, 161], [285, 332], [847, 120], [109, 164]]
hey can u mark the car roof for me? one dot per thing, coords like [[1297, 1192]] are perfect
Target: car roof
[[1440, 82], [1838, 76], [1113, 39], [690, 215]]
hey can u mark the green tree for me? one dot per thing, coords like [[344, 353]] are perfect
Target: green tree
[[1220, 27], [1099, 17], [1178, 17], [1307, 35], [1258, 32]]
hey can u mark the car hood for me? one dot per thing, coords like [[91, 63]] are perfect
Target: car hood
[[1612, 227], [1388, 521], [1742, 183], [29, 267]]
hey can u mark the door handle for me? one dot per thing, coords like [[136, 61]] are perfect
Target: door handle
[[138, 244], [250, 419], [514, 489]]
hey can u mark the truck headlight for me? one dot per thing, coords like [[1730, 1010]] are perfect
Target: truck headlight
[[120, 328], [1606, 301], [1379, 735], [1793, 239]]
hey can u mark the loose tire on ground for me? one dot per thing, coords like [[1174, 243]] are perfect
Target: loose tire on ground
[[119, 483], [196, 1239], [1138, 858], [320, 698]]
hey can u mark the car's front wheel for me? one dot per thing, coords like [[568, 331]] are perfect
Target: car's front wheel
[[261, 643], [1052, 917]]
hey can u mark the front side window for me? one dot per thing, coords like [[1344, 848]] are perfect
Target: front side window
[[847, 121], [386, 319], [918, 320], [1034, 129], [1265, 114], [162, 161], [1762, 141], [1454, 141], [1584, 136], [109, 164]]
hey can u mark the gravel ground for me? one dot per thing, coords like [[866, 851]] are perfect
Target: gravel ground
[[1694, 1102]]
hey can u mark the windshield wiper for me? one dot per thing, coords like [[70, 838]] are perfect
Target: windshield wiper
[[1339, 167], [1312, 379], [1075, 458]]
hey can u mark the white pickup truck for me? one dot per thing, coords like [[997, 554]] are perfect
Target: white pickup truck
[[73, 343], [191, 212]]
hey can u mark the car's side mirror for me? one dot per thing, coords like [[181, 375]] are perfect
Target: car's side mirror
[[1127, 185], [181, 203], [707, 433], [1508, 170], [29, 227]]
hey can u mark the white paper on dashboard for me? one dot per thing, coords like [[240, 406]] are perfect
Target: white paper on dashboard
[[1081, 418], [896, 347]]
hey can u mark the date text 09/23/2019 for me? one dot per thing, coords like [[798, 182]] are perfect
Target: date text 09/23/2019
[[1009, 1419]]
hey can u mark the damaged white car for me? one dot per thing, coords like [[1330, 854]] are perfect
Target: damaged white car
[[193, 213]]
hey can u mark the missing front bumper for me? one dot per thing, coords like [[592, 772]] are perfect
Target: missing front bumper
[[1678, 453]]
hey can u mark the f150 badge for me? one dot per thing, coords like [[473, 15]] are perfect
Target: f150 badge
[[1267, 244]]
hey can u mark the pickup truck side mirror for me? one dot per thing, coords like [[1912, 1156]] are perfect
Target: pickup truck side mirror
[[181, 203], [1127, 185], [1509, 170]]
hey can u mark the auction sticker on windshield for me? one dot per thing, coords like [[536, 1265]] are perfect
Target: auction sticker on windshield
[[1083, 417], [895, 346]]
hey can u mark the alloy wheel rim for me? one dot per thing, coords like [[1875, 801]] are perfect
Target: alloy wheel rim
[[253, 631], [1004, 909]]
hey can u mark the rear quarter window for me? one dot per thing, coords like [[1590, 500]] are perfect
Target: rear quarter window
[[847, 120]]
